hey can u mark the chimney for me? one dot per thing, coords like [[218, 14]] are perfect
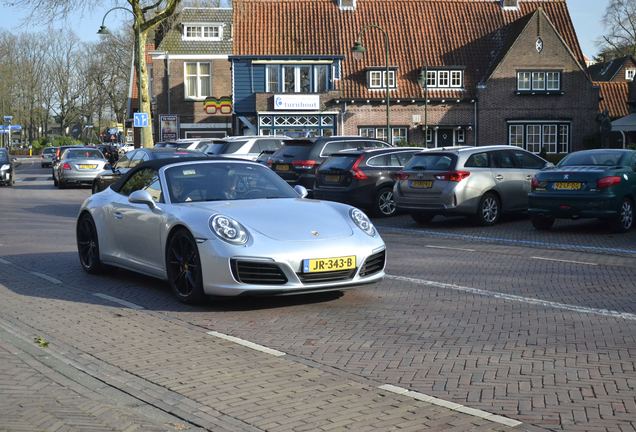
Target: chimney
[[349, 5], [510, 4]]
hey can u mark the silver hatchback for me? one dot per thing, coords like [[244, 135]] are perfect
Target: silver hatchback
[[479, 182]]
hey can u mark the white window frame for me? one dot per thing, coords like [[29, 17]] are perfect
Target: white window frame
[[373, 75], [200, 94], [516, 135], [268, 68], [203, 32], [540, 76], [536, 132], [429, 135], [456, 79], [443, 78], [629, 74], [431, 77], [550, 79], [315, 73], [399, 133], [549, 138], [564, 138], [460, 135], [527, 78]]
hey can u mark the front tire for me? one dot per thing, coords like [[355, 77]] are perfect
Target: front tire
[[183, 267], [88, 245], [489, 210], [624, 220], [542, 223], [384, 204]]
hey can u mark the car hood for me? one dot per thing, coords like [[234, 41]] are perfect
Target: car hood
[[285, 219]]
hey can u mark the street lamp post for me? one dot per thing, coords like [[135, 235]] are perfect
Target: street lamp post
[[423, 81], [358, 50], [103, 31]]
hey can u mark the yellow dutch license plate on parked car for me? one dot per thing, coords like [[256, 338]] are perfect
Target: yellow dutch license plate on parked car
[[282, 168], [332, 178], [329, 264], [568, 186], [85, 166], [423, 184]]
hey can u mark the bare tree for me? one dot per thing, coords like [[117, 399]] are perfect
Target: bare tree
[[147, 15], [620, 23]]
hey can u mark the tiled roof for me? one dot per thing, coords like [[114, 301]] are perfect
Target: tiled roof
[[470, 33], [614, 98], [173, 43], [606, 71]]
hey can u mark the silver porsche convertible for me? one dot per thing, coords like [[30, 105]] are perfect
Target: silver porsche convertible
[[224, 227]]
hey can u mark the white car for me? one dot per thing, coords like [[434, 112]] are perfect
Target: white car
[[226, 227]]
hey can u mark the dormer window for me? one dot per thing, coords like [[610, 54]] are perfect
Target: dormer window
[[376, 79], [444, 78], [510, 4], [538, 82], [629, 74], [202, 32], [347, 4]]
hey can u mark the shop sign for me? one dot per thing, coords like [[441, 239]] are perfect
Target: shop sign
[[296, 102]]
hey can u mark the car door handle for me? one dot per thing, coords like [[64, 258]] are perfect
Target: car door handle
[[499, 177], [118, 215], [528, 177]]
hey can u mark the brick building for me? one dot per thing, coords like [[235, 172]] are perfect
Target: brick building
[[190, 76], [472, 72]]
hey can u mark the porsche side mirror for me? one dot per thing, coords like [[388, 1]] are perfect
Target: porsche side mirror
[[301, 191], [142, 197]]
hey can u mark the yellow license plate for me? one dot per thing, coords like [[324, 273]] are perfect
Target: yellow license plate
[[282, 167], [424, 184], [84, 166], [568, 186], [332, 178], [329, 264]]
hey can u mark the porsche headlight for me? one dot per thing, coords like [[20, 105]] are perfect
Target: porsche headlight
[[5, 167], [362, 221], [228, 229]]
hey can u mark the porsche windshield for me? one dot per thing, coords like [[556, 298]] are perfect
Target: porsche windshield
[[220, 181]]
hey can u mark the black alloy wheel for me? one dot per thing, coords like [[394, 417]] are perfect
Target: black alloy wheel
[[624, 220], [489, 210], [183, 266], [542, 222], [384, 203], [88, 245]]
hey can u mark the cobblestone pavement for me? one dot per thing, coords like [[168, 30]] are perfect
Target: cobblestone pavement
[[187, 373]]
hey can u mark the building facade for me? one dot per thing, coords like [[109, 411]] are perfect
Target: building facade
[[458, 73], [190, 78]]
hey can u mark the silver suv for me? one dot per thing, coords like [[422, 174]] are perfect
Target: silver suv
[[480, 182]]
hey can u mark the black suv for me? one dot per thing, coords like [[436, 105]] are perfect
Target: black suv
[[297, 161], [363, 178]]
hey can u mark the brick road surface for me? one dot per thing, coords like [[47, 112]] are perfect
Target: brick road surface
[[183, 371]]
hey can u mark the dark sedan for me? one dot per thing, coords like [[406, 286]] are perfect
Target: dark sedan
[[363, 178], [134, 158], [586, 184]]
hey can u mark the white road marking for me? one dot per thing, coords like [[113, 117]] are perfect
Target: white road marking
[[47, 278], [3, 261], [564, 261], [520, 299], [247, 344], [451, 405], [449, 248], [119, 301]]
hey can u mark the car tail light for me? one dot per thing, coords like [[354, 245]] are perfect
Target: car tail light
[[401, 176], [606, 182], [357, 173], [453, 176], [269, 162], [305, 164], [66, 166]]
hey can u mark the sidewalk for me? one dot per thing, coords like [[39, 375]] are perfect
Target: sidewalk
[[191, 378]]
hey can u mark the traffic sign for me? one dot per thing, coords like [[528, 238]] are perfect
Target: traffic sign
[[8, 119], [140, 119]]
